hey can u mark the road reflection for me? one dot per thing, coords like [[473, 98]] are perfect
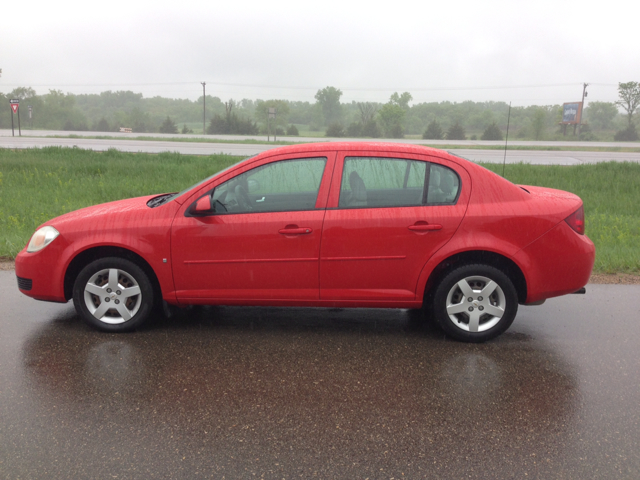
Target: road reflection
[[352, 382]]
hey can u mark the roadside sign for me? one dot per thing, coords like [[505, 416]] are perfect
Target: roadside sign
[[15, 102]]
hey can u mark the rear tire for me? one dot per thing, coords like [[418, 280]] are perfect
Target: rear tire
[[113, 295], [475, 303]]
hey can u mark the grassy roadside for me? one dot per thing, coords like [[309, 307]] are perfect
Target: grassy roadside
[[38, 184], [292, 141]]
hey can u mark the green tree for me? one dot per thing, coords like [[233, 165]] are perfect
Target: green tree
[[629, 94], [401, 100], [58, 112], [168, 126], [329, 101], [600, 115], [456, 132], [433, 131], [539, 123], [391, 117], [367, 111], [492, 132], [22, 93]]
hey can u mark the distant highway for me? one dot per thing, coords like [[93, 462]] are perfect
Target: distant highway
[[128, 143]]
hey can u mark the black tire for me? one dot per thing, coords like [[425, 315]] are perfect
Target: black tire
[[113, 295], [475, 317]]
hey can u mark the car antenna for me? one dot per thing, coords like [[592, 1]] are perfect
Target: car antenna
[[506, 140]]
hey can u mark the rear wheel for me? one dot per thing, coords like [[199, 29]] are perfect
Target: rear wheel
[[475, 303], [113, 295]]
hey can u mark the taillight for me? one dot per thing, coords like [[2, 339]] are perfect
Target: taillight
[[576, 220]]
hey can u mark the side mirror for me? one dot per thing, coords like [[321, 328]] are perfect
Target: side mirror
[[202, 206]]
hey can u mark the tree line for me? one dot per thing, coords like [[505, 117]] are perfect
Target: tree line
[[398, 117]]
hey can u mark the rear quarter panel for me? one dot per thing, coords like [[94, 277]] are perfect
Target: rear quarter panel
[[503, 218]]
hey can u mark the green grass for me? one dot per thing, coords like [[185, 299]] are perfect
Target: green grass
[[39, 184]]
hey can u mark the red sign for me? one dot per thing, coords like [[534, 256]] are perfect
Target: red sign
[[14, 107]]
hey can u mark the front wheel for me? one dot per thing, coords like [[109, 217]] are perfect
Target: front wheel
[[113, 295], [475, 303]]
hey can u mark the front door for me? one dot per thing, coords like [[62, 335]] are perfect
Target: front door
[[262, 243]]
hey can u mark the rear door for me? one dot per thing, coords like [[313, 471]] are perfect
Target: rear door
[[386, 217]]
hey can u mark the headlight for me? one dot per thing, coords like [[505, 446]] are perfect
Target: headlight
[[42, 238]]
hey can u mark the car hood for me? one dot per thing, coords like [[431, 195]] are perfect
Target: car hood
[[103, 212]]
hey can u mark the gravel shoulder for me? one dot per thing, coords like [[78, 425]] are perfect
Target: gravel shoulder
[[601, 278]]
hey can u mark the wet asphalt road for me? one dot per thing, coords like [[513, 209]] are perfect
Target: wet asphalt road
[[319, 393]]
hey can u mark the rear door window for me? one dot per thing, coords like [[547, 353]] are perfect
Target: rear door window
[[373, 182]]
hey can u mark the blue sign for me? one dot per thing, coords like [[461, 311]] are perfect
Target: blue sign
[[571, 112]]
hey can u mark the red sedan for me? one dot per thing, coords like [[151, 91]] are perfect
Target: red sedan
[[323, 225]]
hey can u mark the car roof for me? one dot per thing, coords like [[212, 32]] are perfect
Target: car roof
[[356, 146]]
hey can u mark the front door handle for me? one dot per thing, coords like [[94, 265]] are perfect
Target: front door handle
[[261, 200], [295, 230], [424, 227]]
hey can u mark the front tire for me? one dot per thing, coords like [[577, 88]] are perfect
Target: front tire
[[475, 303], [113, 295]]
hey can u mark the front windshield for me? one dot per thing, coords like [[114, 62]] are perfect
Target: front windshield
[[176, 195]]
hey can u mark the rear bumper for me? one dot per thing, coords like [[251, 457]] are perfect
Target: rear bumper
[[558, 263]]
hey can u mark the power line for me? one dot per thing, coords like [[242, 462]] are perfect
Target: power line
[[298, 87]]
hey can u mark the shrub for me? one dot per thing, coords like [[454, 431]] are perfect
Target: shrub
[[102, 126], [168, 126], [629, 134], [335, 130], [586, 134], [231, 124], [186, 129], [433, 131], [492, 132], [456, 132], [292, 130], [355, 130]]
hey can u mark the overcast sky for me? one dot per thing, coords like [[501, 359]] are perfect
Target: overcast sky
[[520, 51]]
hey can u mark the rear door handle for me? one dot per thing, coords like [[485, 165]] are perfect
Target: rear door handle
[[295, 231], [425, 227], [261, 200]]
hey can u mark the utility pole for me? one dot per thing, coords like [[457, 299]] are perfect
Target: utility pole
[[584, 94], [204, 108]]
